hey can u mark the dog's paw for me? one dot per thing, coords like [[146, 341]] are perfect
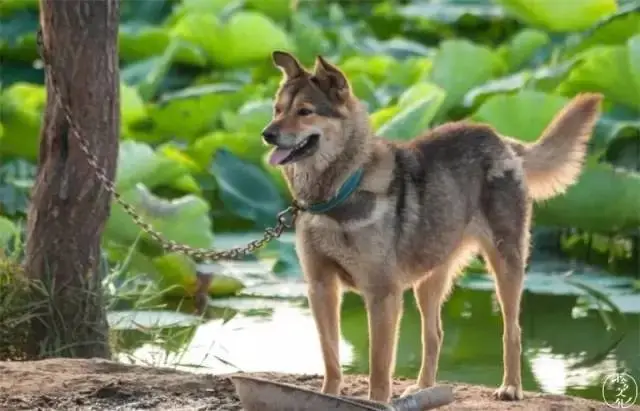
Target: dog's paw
[[331, 387], [508, 393]]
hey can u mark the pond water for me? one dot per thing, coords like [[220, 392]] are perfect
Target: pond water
[[569, 346]]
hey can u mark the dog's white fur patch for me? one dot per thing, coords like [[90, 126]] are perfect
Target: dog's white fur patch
[[509, 161]]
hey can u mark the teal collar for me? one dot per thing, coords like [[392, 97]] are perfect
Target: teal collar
[[343, 194]]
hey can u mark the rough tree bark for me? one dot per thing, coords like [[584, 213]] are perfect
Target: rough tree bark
[[69, 206]]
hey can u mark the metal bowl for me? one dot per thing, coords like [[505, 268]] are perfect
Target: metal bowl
[[257, 394]]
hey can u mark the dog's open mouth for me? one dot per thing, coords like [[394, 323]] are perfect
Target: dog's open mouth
[[281, 155]]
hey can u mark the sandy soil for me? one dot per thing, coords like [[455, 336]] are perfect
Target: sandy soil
[[64, 384]]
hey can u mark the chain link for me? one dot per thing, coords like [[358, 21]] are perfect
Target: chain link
[[285, 219]]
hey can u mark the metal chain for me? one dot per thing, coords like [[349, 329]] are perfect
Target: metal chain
[[285, 219]]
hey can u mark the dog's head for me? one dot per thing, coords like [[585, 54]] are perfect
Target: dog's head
[[316, 118]]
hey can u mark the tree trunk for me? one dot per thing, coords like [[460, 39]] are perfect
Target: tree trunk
[[69, 206]]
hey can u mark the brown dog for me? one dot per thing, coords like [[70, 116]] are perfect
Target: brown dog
[[385, 216]]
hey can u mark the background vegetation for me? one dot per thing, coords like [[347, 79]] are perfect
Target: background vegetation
[[197, 84], [196, 90]]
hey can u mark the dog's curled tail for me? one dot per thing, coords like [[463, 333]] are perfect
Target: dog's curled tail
[[554, 162]]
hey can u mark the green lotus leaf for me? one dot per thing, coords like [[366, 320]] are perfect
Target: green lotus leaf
[[186, 114], [416, 109], [560, 16], [523, 46], [614, 30], [589, 204], [611, 70], [184, 220], [276, 9], [139, 163], [461, 65], [226, 41], [177, 274], [246, 189], [523, 115], [21, 106]]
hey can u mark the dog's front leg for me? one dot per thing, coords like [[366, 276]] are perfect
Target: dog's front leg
[[324, 299], [384, 308]]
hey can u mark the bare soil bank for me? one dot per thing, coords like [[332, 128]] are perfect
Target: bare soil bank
[[66, 384]]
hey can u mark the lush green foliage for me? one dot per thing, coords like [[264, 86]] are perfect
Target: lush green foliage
[[197, 84], [14, 308]]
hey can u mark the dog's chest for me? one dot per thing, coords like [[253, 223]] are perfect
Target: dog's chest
[[357, 248]]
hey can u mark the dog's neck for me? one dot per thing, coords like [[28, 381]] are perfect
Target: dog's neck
[[310, 183]]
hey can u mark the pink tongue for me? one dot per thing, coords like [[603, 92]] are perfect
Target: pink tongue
[[278, 155]]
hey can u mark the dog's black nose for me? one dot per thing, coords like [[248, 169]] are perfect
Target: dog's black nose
[[270, 134]]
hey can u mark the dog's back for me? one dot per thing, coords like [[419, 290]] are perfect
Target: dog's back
[[551, 164]]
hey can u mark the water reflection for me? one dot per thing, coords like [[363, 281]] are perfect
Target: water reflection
[[256, 335], [562, 353]]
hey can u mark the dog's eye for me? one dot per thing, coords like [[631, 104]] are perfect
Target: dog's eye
[[304, 112]]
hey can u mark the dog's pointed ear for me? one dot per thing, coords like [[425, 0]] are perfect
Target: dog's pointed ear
[[287, 63], [331, 78]]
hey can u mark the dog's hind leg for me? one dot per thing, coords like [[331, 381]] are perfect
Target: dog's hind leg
[[508, 269], [430, 294], [507, 211]]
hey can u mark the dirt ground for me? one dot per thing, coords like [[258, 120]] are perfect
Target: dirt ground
[[64, 384]]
